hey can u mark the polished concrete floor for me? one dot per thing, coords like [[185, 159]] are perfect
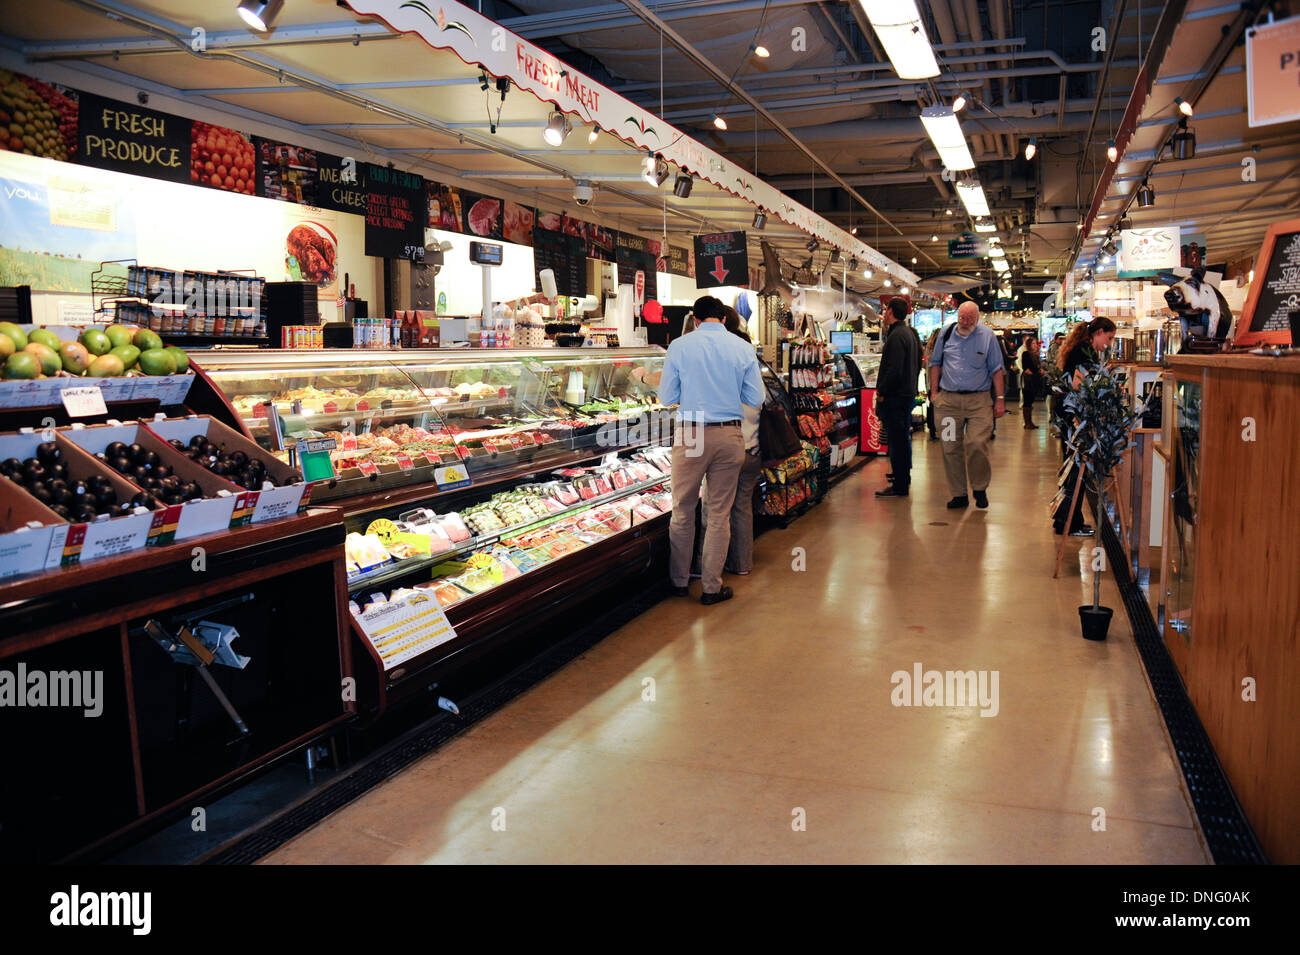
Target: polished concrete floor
[[765, 729]]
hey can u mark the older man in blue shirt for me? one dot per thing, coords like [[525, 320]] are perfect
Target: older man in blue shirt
[[709, 374], [965, 366]]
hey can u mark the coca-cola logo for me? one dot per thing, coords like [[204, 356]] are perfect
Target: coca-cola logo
[[874, 426]]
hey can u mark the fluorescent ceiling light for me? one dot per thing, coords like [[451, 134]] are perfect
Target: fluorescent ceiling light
[[971, 195], [997, 252], [902, 33], [945, 132], [1000, 265], [985, 227]]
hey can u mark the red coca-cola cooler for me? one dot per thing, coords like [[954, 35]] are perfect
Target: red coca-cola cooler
[[871, 436]]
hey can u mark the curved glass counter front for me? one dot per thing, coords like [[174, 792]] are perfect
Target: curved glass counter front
[[397, 416]]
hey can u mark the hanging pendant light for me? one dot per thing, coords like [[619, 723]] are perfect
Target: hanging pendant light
[[1146, 196], [1112, 153], [1183, 142], [1031, 148]]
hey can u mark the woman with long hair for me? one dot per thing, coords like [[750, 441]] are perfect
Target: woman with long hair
[[1080, 354]]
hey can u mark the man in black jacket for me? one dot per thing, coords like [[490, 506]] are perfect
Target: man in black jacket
[[900, 363]]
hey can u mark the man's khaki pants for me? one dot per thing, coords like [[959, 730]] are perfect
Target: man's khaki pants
[[964, 423], [699, 452]]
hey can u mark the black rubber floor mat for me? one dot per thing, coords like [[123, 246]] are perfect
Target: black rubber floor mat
[[1227, 832], [405, 750]]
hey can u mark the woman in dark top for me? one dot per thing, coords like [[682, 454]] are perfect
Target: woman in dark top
[[1079, 356], [1031, 380]]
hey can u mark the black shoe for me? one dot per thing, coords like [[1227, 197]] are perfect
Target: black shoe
[[892, 491], [709, 599], [959, 501], [981, 499], [676, 591], [1084, 531]]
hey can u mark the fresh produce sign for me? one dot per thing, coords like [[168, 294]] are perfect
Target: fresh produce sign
[[131, 139], [395, 213]]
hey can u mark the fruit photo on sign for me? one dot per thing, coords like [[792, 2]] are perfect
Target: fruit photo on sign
[[37, 118], [222, 158]]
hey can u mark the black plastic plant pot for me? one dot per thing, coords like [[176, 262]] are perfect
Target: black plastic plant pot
[[1095, 621]]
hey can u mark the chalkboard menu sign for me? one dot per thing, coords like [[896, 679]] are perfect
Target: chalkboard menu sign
[[341, 183], [678, 261], [1275, 293], [396, 210], [131, 139], [721, 259], [566, 255], [632, 255]]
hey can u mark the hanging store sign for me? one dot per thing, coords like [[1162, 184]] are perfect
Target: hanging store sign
[[341, 183], [721, 258], [967, 246], [396, 209], [480, 41], [1273, 72], [131, 139], [1148, 251]]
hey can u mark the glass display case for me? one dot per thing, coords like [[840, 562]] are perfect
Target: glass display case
[[866, 366], [397, 417]]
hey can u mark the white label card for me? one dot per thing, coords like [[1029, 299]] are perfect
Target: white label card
[[84, 401]]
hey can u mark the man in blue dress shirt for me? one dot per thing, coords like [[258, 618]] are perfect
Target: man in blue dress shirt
[[966, 364], [709, 374]]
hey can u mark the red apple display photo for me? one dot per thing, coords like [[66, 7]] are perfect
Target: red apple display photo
[[222, 158]]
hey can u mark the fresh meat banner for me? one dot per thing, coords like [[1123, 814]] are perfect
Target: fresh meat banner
[[285, 172], [721, 259], [341, 184], [562, 222], [222, 158], [483, 215], [566, 255], [37, 118], [601, 243], [479, 40], [518, 226], [395, 213], [633, 255], [446, 209], [131, 139]]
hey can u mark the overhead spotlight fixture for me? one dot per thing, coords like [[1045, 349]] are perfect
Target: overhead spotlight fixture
[[947, 212], [761, 51], [959, 103], [1047, 271], [902, 33], [1031, 148], [682, 185], [1124, 224], [1184, 107], [853, 231], [483, 82], [914, 260], [904, 290], [259, 14], [867, 273], [812, 245], [760, 220], [557, 128], [835, 255], [1109, 246], [1183, 141], [933, 237], [654, 170], [719, 122], [889, 283], [1146, 196], [595, 132], [941, 125], [1112, 152]]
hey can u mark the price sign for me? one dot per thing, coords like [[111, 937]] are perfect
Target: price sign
[[368, 468], [404, 461], [314, 458], [83, 402]]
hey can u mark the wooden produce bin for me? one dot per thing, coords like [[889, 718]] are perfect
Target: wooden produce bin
[[1231, 559], [143, 739]]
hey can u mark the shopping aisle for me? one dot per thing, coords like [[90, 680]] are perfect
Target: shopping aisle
[[777, 706]]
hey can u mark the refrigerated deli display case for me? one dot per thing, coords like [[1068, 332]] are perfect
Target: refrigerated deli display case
[[484, 492]]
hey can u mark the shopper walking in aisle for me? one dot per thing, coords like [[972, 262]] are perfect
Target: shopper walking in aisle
[[967, 363], [1031, 379], [900, 363], [709, 375], [1079, 357], [929, 392]]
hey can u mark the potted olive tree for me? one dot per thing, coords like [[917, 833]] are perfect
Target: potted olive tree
[[1100, 418]]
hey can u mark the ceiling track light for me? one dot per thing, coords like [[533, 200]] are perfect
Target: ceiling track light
[[483, 82], [1124, 224], [1031, 148], [1184, 107], [259, 14], [760, 220], [1146, 196], [1109, 246], [812, 245], [557, 128], [1183, 142], [682, 185], [654, 170], [719, 122]]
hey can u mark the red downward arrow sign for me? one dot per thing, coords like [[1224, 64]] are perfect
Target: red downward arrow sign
[[718, 272]]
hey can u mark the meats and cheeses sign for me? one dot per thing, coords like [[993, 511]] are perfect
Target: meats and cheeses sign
[[395, 213], [721, 258]]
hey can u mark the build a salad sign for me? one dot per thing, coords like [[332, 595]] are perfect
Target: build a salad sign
[[395, 213]]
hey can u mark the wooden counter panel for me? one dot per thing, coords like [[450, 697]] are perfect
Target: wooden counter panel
[[1246, 619], [1239, 361]]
